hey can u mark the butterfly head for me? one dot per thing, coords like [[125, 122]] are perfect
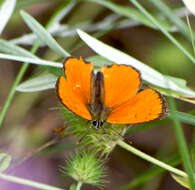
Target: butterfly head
[[96, 124]]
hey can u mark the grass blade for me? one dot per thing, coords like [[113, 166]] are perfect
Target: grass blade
[[165, 10], [182, 144], [163, 30]]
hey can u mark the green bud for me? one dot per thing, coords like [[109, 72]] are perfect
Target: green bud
[[86, 168]]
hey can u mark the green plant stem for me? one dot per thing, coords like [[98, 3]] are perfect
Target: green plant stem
[[79, 184], [149, 174], [151, 159], [182, 144], [162, 29], [28, 182]]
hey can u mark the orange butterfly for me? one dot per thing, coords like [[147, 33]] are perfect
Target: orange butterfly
[[113, 94]]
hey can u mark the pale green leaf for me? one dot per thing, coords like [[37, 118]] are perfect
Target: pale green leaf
[[99, 61], [179, 81], [43, 34], [190, 4], [39, 83], [6, 11], [10, 48], [183, 181], [5, 160], [174, 94], [36, 61]]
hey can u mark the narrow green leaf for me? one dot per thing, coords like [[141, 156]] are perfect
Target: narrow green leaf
[[131, 13], [163, 29], [10, 48], [99, 61], [30, 60], [53, 24], [175, 94], [183, 181], [148, 74], [43, 34], [5, 160], [62, 12], [39, 83], [166, 11], [179, 81], [6, 11]]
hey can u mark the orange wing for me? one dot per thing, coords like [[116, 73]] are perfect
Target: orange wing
[[121, 82], [146, 106], [74, 91]]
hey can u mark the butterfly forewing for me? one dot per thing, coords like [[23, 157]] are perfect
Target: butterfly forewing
[[74, 90], [121, 82]]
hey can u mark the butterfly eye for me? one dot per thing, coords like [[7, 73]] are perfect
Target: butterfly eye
[[101, 123], [94, 122], [97, 124]]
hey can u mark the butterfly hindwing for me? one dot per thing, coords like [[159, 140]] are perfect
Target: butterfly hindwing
[[145, 106]]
